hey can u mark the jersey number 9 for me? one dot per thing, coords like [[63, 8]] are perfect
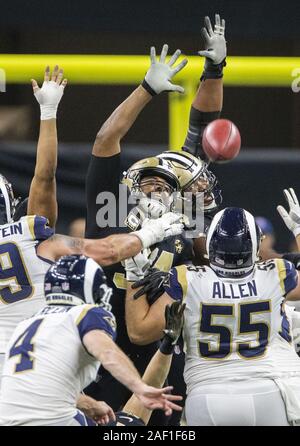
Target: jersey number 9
[[15, 284]]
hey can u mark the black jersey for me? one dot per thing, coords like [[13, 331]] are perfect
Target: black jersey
[[172, 251]]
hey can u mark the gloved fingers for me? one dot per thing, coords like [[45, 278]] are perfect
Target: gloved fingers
[[174, 57], [63, 84], [171, 217], [167, 313], [208, 26], [181, 310], [47, 74], [288, 197], [59, 76], [179, 67], [175, 229], [153, 297], [217, 20], [140, 283], [153, 55], [282, 212], [205, 35], [206, 53], [294, 196], [140, 292], [223, 24], [55, 73], [172, 87], [35, 86], [164, 53]]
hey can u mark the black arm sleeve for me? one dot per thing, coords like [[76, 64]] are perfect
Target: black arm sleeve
[[197, 123], [103, 175]]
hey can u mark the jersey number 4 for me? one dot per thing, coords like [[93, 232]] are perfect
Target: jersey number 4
[[23, 346], [15, 284]]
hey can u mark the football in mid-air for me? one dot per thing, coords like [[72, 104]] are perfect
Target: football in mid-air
[[221, 140]]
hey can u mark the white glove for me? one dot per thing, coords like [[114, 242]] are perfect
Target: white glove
[[291, 219], [51, 92], [160, 73], [137, 266], [154, 231], [214, 40]]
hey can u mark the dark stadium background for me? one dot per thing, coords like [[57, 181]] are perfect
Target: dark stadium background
[[268, 118]]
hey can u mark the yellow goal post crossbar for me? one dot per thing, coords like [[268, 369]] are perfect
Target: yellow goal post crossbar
[[130, 70]]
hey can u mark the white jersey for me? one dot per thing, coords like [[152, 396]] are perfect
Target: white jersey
[[22, 272], [46, 365], [236, 329]]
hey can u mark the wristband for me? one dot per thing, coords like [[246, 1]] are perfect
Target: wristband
[[212, 71], [148, 88], [48, 112], [166, 347]]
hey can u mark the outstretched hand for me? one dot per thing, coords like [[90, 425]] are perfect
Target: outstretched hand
[[214, 40], [50, 94], [158, 77], [291, 218], [153, 398]]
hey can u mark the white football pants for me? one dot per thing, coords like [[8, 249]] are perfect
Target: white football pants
[[246, 403]]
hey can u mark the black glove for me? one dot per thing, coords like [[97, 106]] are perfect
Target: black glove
[[152, 285], [174, 323]]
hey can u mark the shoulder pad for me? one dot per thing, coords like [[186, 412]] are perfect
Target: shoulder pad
[[39, 227]]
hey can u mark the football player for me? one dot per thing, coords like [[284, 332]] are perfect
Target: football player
[[103, 173], [52, 356], [21, 271], [29, 245], [153, 180], [241, 368]]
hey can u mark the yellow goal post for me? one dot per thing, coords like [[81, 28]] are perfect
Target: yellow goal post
[[130, 70]]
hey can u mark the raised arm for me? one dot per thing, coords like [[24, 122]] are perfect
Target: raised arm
[[157, 80], [208, 102], [42, 195], [292, 220], [107, 142], [158, 368]]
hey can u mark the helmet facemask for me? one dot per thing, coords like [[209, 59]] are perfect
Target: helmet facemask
[[153, 184]]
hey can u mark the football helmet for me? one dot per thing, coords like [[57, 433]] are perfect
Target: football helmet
[[232, 242], [76, 280], [154, 203], [191, 170], [7, 201], [126, 419]]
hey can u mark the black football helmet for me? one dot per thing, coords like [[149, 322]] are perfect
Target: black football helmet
[[76, 280]]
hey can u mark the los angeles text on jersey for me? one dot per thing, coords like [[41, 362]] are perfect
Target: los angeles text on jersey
[[151, 435]]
